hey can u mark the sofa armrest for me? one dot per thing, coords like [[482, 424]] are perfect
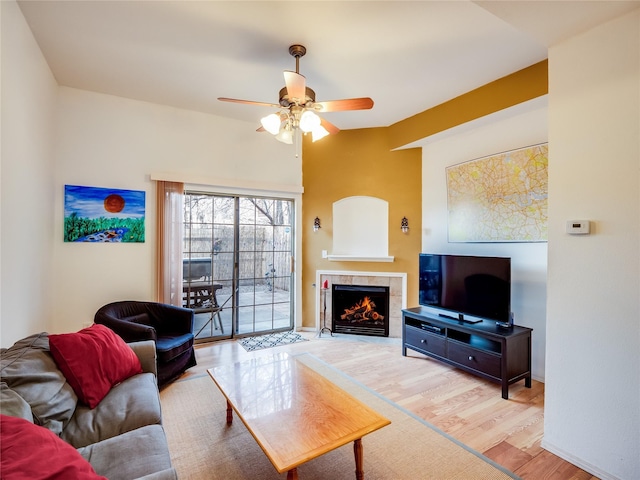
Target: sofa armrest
[[129, 331], [146, 353]]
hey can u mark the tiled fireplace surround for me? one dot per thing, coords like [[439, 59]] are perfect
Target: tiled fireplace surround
[[397, 283]]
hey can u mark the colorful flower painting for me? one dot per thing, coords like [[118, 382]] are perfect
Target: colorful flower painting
[[94, 214]]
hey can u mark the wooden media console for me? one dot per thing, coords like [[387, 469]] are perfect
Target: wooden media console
[[502, 355]]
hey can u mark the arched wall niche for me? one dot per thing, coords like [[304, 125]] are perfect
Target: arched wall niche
[[361, 229]]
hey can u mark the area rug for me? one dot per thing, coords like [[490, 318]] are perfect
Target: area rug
[[271, 340], [203, 447]]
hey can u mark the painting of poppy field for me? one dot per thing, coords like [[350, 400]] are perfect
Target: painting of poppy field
[[103, 215]]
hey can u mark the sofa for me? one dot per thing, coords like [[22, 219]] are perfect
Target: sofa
[[170, 327], [120, 437]]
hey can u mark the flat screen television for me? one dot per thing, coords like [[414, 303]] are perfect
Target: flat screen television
[[471, 288]]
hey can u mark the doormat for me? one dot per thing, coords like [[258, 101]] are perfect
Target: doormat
[[271, 340]]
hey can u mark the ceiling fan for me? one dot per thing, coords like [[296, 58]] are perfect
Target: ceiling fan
[[298, 107]]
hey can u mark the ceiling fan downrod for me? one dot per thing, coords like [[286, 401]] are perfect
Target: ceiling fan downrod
[[297, 51]]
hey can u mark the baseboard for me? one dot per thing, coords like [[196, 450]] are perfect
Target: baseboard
[[578, 462]]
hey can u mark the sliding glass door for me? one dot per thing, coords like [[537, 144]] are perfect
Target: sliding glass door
[[237, 259]]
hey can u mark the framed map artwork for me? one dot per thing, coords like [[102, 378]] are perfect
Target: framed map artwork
[[500, 198], [103, 215]]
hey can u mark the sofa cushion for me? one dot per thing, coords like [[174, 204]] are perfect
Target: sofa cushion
[[93, 360], [172, 347], [29, 369], [134, 454], [131, 404], [28, 451], [13, 404]]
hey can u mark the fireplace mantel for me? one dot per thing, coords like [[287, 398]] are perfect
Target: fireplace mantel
[[357, 258]]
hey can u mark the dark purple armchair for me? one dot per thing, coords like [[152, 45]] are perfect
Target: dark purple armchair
[[170, 327]]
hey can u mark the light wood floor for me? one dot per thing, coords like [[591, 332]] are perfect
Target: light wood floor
[[466, 407]]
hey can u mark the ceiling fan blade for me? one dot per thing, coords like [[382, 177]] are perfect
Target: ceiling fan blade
[[363, 103], [248, 102], [296, 86], [330, 127]]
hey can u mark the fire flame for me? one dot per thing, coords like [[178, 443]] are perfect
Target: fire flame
[[362, 311], [367, 304]]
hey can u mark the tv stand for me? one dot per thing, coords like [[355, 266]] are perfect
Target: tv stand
[[459, 318], [483, 349]]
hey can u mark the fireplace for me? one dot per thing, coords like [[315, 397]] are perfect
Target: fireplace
[[360, 309]]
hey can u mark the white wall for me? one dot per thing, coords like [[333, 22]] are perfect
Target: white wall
[[26, 193], [517, 127], [592, 403], [54, 136], [108, 141]]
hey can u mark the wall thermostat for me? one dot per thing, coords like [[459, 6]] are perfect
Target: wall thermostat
[[578, 227]]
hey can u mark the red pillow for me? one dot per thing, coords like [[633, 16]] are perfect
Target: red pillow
[[31, 452], [93, 360]]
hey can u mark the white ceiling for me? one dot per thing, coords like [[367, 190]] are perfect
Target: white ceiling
[[407, 56]]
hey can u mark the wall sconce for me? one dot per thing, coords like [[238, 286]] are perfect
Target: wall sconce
[[316, 224], [404, 225]]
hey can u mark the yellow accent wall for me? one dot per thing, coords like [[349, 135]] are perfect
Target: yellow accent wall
[[520, 86], [359, 162]]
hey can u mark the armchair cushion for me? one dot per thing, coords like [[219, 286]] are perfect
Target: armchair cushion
[[93, 360], [169, 348]]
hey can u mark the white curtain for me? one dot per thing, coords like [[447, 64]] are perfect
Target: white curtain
[[170, 198]]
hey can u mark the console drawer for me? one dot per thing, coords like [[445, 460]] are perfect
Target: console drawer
[[476, 359], [429, 342]]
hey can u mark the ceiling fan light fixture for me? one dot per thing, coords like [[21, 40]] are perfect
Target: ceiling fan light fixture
[[298, 107], [285, 134], [318, 133], [271, 123], [309, 121]]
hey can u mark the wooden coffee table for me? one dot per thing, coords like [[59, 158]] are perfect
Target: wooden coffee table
[[294, 413]]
